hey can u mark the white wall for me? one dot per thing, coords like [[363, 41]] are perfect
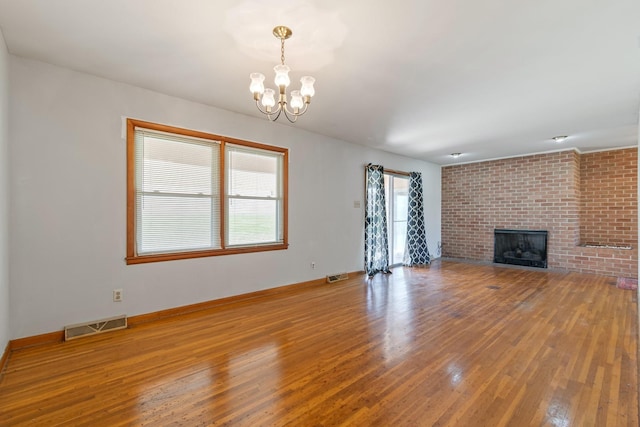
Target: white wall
[[68, 202], [4, 195]]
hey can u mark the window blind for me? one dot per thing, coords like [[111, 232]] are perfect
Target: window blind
[[177, 193]]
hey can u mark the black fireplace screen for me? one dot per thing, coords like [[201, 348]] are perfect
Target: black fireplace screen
[[520, 247]]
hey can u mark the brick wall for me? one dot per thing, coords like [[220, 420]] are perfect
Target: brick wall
[[609, 204], [540, 192]]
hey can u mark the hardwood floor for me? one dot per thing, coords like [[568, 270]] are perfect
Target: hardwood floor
[[450, 345]]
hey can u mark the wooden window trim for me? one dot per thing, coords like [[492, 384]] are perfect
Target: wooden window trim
[[133, 258]]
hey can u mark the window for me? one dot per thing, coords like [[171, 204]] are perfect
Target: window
[[191, 194], [254, 196]]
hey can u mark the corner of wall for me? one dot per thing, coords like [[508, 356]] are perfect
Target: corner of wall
[[638, 243], [4, 196]]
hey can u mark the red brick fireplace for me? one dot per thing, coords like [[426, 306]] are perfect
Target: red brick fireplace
[[579, 199]]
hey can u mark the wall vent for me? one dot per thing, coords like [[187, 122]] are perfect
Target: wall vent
[[332, 278], [94, 327]]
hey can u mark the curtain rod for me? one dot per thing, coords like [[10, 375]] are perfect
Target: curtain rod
[[393, 171], [397, 172]]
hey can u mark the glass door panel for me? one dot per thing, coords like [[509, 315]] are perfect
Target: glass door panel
[[397, 199]]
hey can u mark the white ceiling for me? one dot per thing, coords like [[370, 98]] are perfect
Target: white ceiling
[[423, 78]]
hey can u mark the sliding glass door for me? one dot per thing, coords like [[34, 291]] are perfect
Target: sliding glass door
[[397, 196]]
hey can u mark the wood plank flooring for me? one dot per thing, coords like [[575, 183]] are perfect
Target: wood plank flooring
[[450, 345]]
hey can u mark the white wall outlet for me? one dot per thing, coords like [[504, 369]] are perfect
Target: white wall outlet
[[117, 295], [313, 265], [356, 204]]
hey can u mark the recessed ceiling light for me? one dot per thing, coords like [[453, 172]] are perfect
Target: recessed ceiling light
[[559, 138], [456, 155]]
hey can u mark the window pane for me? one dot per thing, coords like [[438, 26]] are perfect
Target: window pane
[[399, 241], [253, 221], [177, 167], [253, 174], [401, 198], [168, 223]]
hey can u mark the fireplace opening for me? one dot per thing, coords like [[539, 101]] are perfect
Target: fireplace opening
[[520, 247]]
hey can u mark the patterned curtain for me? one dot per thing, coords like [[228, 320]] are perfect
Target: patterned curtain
[[376, 245], [416, 252]]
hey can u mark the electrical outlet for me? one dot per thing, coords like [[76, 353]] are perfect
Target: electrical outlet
[[117, 295], [313, 265]]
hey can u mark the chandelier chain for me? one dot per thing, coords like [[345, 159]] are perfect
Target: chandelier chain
[[282, 50]]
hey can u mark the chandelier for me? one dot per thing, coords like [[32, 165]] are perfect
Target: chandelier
[[265, 98]]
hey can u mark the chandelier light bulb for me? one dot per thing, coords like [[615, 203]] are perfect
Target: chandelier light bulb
[[307, 86], [282, 75], [257, 83], [266, 98], [296, 99]]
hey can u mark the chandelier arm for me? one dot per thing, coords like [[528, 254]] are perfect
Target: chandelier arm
[[287, 113], [294, 113], [279, 110], [299, 113], [304, 109], [265, 112]]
